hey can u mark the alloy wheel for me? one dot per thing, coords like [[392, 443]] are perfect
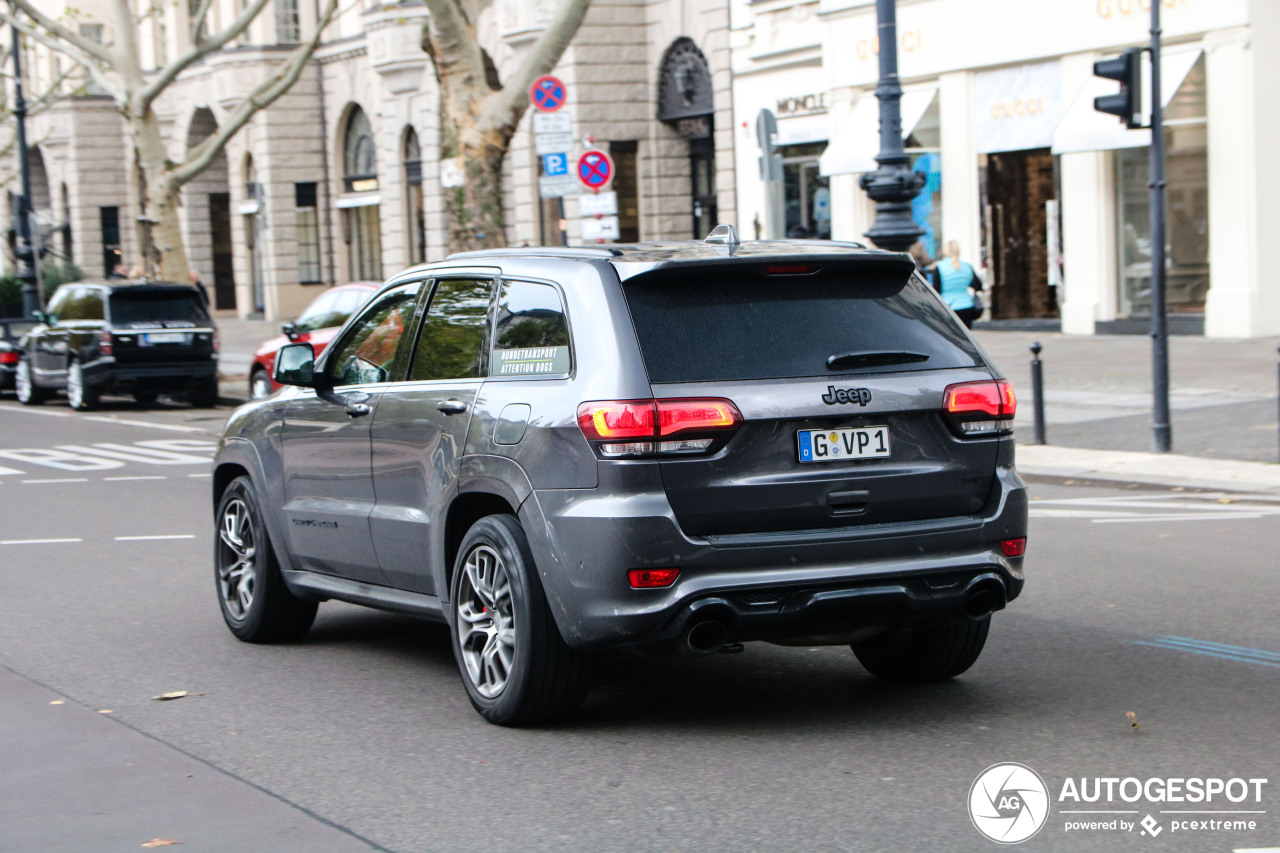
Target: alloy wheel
[[486, 621], [75, 385], [237, 564], [22, 385]]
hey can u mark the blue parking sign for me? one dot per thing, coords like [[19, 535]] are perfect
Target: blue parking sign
[[555, 164]]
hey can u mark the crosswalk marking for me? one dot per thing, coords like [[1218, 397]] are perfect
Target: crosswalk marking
[[1130, 509]]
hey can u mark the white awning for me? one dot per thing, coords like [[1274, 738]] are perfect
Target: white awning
[[854, 147], [1085, 129], [359, 200]]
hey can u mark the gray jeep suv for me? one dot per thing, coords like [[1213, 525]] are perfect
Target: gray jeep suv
[[676, 446]]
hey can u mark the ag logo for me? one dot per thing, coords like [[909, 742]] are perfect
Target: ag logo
[[1008, 803]]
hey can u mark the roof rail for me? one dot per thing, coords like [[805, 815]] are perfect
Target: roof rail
[[540, 251]]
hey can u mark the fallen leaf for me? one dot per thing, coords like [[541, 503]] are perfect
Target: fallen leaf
[[56, 702], [175, 694], [161, 842], [1227, 500], [1132, 717], [106, 711]]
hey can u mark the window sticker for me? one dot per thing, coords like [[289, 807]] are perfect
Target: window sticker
[[530, 361]]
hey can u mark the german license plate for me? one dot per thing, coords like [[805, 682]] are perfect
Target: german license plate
[[165, 338], [828, 445]]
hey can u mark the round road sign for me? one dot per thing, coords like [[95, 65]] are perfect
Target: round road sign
[[548, 93], [595, 169]]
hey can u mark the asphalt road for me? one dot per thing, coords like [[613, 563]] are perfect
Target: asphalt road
[[361, 737]]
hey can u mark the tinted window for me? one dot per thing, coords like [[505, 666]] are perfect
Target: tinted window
[[368, 352], [699, 327], [58, 302], [82, 303], [453, 331], [530, 331], [143, 307]]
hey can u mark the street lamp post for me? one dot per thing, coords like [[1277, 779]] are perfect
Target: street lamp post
[[893, 185], [26, 250]]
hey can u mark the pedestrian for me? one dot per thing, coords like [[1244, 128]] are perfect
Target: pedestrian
[[118, 271], [957, 282], [199, 286]]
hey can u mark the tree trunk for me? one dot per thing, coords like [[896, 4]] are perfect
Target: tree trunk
[[168, 257], [474, 210]]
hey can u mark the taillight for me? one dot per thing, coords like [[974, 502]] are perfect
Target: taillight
[[106, 345], [628, 428], [981, 407], [9, 356]]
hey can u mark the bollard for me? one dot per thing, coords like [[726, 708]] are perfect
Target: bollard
[[1037, 391]]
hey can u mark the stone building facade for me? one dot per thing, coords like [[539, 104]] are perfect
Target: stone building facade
[[340, 179]]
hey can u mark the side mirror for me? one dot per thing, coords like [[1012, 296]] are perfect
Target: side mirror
[[296, 365], [42, 317], [290, 330]]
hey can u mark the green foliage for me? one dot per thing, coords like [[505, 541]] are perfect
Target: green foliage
[[56, 274], [10, 291]]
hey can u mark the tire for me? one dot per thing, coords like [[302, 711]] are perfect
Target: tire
[[204, 394], [81, 396], [517, 669], [24, 385], [259, 385], [256, 604], [145, 398], [923, 653]]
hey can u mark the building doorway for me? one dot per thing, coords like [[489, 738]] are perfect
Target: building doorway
[[221, 248], [686, 105], [1018, 185]]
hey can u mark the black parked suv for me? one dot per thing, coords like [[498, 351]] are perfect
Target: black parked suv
[[142, 339], [667, 446]]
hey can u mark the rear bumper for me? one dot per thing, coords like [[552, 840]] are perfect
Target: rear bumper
[[762, 586], [109, 375]]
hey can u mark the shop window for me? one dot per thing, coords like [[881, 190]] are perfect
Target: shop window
[[806, 193], [308, 225], [924, 147], [1186, 209]]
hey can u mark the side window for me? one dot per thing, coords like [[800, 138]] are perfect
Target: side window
[[452, 340], [320, 314], [91, 304], [531, 335], [368, 353]]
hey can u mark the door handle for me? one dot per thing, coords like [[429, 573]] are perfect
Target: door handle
[[357, 410], [452, 407]]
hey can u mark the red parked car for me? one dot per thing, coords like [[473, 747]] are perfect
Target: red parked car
[[317, 326]]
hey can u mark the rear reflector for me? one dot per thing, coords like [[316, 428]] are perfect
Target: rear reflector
[[651, 578], [1014, 547], [105, 343]]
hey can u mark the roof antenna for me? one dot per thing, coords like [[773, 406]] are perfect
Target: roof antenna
[[726, 235]]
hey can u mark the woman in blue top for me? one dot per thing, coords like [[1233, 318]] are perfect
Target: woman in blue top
[[953, 278]]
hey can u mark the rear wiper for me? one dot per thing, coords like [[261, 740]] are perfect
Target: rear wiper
[[873, 359]]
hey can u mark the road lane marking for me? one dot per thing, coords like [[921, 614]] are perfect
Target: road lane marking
[[1136, 509], [1241, 654], [145, 477], [200, 475], [47, 412], [163, 536], [126, 422], [60, 480], [36, 541]]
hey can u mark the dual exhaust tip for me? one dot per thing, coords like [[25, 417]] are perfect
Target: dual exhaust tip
[[704, 636]]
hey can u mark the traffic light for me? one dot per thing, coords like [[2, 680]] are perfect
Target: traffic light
[[1127, 104]]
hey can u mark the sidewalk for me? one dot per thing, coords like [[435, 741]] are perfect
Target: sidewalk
[[1097, 404]]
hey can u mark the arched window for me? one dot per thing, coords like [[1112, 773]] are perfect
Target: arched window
[[361, 221], [359, 153], [414, 214]]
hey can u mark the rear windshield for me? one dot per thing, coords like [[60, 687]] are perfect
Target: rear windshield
[[711, 327], [158, 307]]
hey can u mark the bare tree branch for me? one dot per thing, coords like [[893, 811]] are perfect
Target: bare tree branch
[[58, 32], [263, 96], [197, 23], [199, 50], [506, 105]]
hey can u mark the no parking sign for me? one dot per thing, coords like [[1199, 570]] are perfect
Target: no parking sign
[[595, 169]]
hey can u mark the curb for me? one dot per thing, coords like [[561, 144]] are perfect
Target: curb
[[1149, 468]]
